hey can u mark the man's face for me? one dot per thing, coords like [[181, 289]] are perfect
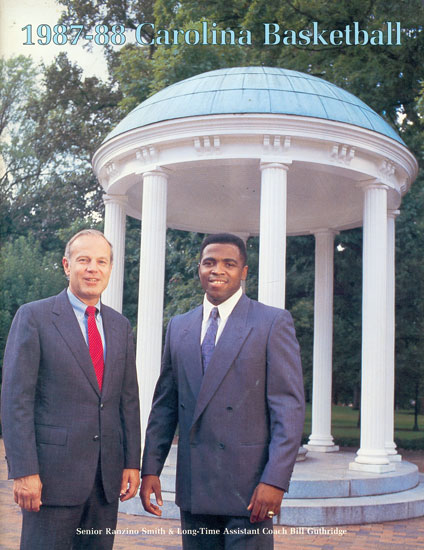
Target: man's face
[[221, 271], [88, 268]]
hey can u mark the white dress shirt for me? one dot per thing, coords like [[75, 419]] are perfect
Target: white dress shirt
[[225, 309]]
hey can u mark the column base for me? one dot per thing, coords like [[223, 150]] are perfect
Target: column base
[[374, 468], [395, 458], [321, 448], [392, 453]]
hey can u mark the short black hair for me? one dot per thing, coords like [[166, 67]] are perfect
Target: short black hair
[[225, 238]]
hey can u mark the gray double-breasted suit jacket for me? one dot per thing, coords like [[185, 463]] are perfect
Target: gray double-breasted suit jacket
[[55, 420], [239, 424]]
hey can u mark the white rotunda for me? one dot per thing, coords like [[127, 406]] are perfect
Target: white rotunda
[[269, 152]]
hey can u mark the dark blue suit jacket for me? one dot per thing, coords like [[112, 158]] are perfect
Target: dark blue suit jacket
[[240, 423], [55, 421]]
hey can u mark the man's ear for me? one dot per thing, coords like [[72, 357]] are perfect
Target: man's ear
[[65, 264], [244, 273]]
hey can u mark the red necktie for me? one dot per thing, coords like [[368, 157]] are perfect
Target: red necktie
[[95, 345]]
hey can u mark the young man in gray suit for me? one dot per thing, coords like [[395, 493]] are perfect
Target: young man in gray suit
[[231, 379], [70, 408]]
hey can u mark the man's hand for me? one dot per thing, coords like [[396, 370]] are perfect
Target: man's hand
[[27, 492], [265, 498], [151, 484], [130, 483]]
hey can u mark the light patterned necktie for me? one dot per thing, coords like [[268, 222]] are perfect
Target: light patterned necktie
[[95, 345], [208, 344]]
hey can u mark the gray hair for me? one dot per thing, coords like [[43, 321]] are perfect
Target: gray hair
[[94, 233]]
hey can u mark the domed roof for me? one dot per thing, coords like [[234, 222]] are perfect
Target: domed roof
[[267, 90]]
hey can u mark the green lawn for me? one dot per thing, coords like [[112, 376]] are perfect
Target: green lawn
[[345, 430]]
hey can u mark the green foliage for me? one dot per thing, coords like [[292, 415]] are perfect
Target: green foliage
[[90, 13], [303, 317], [133, 70], [132, 269], [409, 296], [17, 149], [17, 77], [26, 274], [183, 291], [54, 125], [347, 316]]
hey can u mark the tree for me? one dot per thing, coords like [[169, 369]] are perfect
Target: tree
[[50, 127], [26, 274], [347, 317], [54, 127], [19, 162]]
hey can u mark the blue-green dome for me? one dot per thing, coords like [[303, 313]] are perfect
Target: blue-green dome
[[265, 90]]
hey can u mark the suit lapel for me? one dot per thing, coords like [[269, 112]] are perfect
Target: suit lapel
[[111, 337], [235, 333], [67, 324], [191, 352]]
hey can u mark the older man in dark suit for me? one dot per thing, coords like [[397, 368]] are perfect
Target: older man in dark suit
[[70, 408], [231, 378]]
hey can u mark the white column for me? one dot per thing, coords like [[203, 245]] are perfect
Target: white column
[[272, 237], [390, 348], [115, 218], [151, 287], [372, 455], [321, 439]]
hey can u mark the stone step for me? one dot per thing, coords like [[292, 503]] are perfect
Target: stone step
[[325, 492], [328, 476], [323, 512], [354, 510]]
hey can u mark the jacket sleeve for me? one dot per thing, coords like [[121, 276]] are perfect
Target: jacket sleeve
[[285, 400], [20, 374], [130, 407], [163, 417]]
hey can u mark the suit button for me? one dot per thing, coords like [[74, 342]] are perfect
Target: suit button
[[221, 445], [229, 408], [96, 438], [101, 406], [182, 405]]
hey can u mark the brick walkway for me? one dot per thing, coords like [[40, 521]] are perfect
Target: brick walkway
[[155, 534]]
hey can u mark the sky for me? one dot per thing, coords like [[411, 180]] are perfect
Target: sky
[[16, 14]]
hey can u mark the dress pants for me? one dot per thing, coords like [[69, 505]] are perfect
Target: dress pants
[[72, 527], [208, 532]]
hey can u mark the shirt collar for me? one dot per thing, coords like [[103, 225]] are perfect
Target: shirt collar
[[225, 309], [79, 306]]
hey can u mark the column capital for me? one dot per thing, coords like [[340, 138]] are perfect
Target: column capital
[[264, 164], [122, 200], [156, 171], [325, 231], [373, 184]]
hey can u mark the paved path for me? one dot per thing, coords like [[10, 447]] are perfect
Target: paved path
[[154, 534]]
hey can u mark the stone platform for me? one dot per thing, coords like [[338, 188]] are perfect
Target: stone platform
[[324, 492]]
